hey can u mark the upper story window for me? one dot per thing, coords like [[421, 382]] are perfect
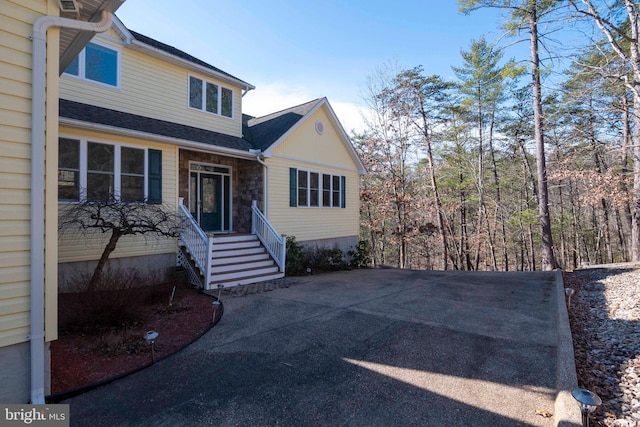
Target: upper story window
[[96, 63], [210, 97]]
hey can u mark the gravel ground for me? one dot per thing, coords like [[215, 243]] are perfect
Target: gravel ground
[[604, 313]]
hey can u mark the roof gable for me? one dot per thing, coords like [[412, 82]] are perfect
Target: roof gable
[[269, 131], [264, 131]]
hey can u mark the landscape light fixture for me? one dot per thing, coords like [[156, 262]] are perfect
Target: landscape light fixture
[[151, 336], [588, 402], [568, 293], [216, 304]]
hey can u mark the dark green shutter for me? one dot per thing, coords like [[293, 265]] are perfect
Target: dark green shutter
[[293, 187], [154, 191], [343, 192]]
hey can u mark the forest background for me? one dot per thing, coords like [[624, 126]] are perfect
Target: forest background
[[519, 163]]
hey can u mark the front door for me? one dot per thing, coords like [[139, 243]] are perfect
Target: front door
[[209, 198], [210, 202]]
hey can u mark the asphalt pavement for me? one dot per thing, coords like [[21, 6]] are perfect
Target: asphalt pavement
[[378, 347]]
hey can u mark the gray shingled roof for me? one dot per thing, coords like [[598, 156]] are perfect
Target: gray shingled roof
[[264, 131], [180, 54], [259, 132], [104, 116]]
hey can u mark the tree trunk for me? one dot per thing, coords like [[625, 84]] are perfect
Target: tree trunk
[[624, 163], [548, 259], [635, 213], [499, 207], [109, 248]]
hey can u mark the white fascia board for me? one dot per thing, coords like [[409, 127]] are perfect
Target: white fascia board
[[336, 124], [183, 143], [122, 31]]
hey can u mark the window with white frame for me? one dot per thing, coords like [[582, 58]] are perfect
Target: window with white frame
[[97, 63], [210, 97], [331, 190], [89, 170], [315, 189]]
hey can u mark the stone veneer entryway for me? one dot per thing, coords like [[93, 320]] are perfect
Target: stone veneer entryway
[[247, 184]]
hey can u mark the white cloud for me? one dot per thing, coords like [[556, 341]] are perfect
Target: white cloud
[[273, 97]]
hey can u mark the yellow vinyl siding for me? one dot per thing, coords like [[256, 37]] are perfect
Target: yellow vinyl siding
[[9, 306], [317, 222], [305, 143], [73, 246], [152, 88], [326, 153], [16, 20]]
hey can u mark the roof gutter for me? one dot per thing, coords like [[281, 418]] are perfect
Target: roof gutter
[[38, 118]]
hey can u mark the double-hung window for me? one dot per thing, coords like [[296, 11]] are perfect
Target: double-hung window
[[210, 97], [308, 188], [89, 170], [331, 190], [97, 63], [315, 189]]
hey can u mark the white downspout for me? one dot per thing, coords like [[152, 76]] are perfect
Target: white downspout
[[258, 154], [38, 100]]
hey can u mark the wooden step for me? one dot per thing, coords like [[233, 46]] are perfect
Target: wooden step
[[230, 238], [237, 252], [242, 272], [240, 266], [244, 244], [235, 258]]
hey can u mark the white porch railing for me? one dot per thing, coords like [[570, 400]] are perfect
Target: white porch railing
[[272, 241], [196, 241]]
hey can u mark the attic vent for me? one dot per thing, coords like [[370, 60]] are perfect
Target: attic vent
[[319, 127], [69, 6]]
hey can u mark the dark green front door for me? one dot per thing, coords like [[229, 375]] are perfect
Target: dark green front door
[[208, 196], [211, 205]]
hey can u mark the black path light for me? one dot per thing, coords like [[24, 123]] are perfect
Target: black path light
[[151, 336], [588, 402]]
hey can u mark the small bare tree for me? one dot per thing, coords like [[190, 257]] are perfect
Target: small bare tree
[[119, 218]]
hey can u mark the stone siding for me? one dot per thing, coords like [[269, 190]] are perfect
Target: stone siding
[[247, 184]]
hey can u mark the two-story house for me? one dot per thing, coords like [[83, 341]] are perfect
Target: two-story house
[[149, 123], [145, 121]]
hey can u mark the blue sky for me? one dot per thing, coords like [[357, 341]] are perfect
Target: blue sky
[[295, 51]]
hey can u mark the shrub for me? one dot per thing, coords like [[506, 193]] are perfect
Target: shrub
[[294, 265], [360, 257], [324, 259], [302, 260], [115, 302]]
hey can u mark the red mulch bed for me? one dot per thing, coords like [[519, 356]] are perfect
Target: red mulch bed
[[81, 358]]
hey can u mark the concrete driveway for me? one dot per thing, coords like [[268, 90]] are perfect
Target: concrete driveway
[[364, 348]]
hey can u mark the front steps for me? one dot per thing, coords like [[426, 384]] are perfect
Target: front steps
[[239, 259]]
